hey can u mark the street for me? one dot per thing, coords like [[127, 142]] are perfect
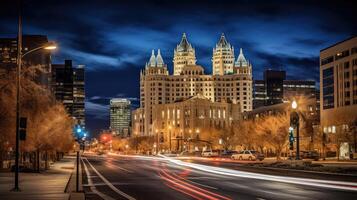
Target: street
[[139, 177]]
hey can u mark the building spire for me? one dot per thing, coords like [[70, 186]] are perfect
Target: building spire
[[184, 45], [222, 41], [241, 61], [152, 61], [159, 60]]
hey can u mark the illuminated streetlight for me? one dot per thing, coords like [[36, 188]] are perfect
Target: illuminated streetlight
[[18, 73], [294, 105]]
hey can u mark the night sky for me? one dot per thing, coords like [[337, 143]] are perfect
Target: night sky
[[114, 39]]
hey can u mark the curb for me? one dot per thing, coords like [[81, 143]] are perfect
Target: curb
[[71, 185]]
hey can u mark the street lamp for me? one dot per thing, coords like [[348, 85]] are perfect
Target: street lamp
[[47, 46], [294, 123]]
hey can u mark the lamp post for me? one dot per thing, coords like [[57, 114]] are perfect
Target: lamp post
[[294, 122], [48, 46]]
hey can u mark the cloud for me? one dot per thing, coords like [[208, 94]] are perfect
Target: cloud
[[96, 111]]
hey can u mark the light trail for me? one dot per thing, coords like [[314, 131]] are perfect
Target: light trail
[[180, 185], [340, 185]]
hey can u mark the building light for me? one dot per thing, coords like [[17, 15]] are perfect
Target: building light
[[333, 129]]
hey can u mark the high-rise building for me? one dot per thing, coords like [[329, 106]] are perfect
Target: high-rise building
[[184, 54], [79, 94], [274, 89], [157, 86], [338, 89], [223, 57], [259, 93], [295, 88], [274, 86], [68, 87], [40, 58], [120, 116]]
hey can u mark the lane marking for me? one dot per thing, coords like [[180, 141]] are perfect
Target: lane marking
[[92, 186], [109, 184], [121, 168]]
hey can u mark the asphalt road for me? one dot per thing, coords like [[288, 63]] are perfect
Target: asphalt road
[[137, 177]]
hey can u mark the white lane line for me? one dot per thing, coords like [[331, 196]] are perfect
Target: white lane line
[[121, 168], [92, 186], [111, 185]]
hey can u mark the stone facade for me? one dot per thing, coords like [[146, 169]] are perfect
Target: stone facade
[[158, 87]]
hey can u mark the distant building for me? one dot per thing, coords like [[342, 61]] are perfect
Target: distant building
[[230, 82], [274, 89], [41, 58], [274, 81], [187, 118], [68, 87], [120, 116], [338, 89]]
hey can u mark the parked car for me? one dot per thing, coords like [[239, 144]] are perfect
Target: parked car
[[228, 154], [210, 153], [310, 155], [193, 153], [248, 155]]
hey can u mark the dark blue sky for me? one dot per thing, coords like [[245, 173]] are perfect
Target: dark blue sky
[[114, 38]]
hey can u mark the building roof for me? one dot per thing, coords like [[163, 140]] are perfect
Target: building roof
[[223, 42], [241, 61], [159, 60], [338, 43], [184, 45]]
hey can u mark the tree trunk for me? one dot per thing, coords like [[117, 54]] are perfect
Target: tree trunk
[[38, 160], [46, 160]]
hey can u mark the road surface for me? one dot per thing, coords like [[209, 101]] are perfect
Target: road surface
[[138, 177]]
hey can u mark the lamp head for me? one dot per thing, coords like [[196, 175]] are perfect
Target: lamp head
[[294, 105], [50, 46]]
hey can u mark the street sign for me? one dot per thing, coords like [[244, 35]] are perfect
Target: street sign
[[22, 127], [22, 134]]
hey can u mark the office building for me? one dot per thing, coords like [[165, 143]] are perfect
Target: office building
[[274, 89], [274, 86], [338, 92], [157, 86], [120, 116], [40, 58], [68, 87]]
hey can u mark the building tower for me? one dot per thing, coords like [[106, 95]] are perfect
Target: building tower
[[223, 57], [120, 116], [184, 54]]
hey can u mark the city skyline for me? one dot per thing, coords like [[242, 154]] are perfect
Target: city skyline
[[279, 35]]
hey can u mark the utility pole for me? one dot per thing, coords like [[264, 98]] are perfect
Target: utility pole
[[18, 73]]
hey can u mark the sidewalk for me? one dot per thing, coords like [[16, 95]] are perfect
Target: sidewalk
[[46, 185]]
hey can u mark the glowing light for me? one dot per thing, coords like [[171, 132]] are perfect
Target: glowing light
[[294, 104]]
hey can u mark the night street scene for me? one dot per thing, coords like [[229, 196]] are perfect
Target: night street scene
[[178, 99]]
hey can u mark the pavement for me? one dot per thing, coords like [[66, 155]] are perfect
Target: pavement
[[139, 177], [47, 185]]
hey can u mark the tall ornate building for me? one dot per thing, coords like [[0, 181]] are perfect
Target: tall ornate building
[[184, 54], [223, 57], [158, 87]]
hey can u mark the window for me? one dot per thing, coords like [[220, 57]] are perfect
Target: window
[[328, 88], [346, 65], [353, 50], [342, 54], [326, 60]]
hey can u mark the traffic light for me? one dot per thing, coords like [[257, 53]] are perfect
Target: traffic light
[[291, 138], [22, 128]]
